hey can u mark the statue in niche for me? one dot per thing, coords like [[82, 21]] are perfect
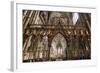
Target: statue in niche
[[45, 42]]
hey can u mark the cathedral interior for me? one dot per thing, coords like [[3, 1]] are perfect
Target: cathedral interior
[[55, 36]]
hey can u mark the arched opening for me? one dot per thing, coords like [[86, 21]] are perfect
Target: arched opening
[[58, 47]]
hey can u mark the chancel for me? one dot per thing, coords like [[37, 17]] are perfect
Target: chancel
[[56, 36]]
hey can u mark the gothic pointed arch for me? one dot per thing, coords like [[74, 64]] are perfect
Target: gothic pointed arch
[[58, 47]]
